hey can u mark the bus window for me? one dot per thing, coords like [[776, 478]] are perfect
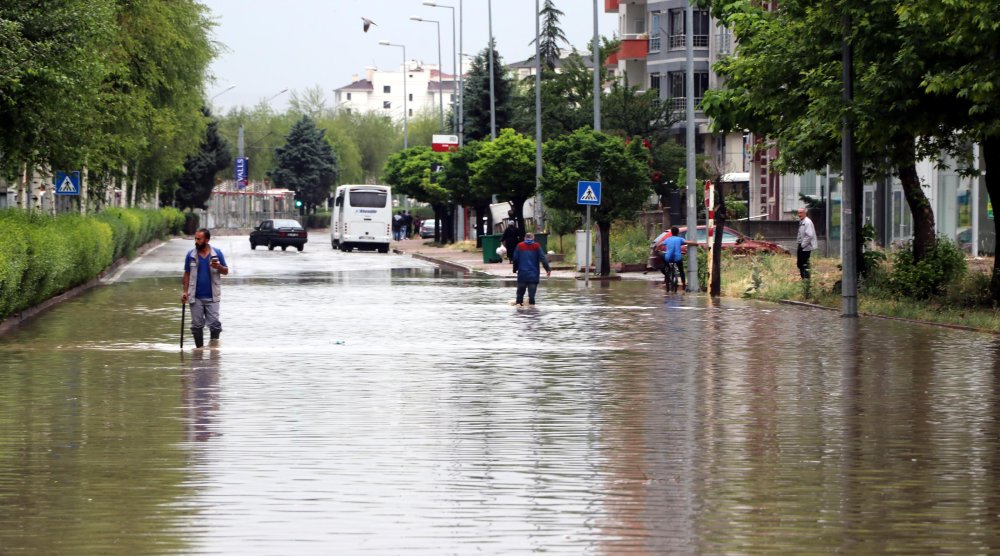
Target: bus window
[[369, 199]]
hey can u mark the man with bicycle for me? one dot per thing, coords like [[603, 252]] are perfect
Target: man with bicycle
[[673, 256]]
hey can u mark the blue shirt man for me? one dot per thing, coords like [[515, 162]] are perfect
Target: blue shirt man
[[203, 292], [673, 254]]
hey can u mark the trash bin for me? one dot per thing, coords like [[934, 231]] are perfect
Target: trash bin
[[490, 244], [543, 241], [581, 249]]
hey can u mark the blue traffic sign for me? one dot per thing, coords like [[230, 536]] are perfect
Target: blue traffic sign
[[588, 193], [67, 183], [241, 172]]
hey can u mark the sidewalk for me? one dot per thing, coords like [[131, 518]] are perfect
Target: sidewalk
[[472, 261]]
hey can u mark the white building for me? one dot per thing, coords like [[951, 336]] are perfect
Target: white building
[[382, 91]]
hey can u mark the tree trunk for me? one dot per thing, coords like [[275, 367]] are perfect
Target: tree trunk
[[135, 182], [605, 228], [84, 186], [920, 208], [715, 280], [991, 163]]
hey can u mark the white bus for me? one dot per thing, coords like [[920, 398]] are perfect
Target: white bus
[[362, 218]]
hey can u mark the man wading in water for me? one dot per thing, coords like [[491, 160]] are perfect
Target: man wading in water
[[203, 268]]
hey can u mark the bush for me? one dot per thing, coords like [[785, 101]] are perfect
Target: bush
[[191, 223], [42, 256], [971, 291], [317, 220], [943, 264], [629, 244]]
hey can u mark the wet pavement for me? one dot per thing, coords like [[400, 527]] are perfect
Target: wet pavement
[[366, 403]]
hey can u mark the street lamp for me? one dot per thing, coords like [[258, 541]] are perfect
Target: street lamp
[[454, 58], [406, 136], [227, 89], [440, 84], [276, 95]]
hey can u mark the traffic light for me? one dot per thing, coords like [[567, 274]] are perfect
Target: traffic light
[[298, 203]]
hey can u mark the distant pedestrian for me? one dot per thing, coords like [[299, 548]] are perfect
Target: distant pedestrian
[[511, 237], [405, 226], [203, 268], [417, 222], [527, 256], [397, 222], [806, 242]]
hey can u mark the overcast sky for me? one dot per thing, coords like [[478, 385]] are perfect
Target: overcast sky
[[270, 45]]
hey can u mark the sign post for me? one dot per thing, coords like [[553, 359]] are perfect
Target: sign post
[[588, 193]]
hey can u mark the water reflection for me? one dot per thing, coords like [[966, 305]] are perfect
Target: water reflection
[[409, 410]]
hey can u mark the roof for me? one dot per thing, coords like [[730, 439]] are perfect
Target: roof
[[359, 85]]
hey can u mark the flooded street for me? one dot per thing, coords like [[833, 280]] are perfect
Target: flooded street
[[365, 403]]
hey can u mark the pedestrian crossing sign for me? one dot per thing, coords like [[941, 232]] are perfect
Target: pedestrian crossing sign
[[67, 183], [588, 193]]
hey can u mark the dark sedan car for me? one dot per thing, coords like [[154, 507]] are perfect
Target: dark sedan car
[[279, 233]]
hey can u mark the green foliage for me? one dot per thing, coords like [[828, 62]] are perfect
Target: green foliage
[[972, 290], [562, 221], [506, 167], [477, 96], [317, 220], [585, 155], [552, 35], [306, 164], [872, 258], [409, 173], [196, 183], [629, 244], [942, 264], [629, 112], [736, 207], [42, 256]]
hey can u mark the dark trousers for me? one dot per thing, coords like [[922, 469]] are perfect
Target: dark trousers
[[532, 287], [802, 261], [680, 269]]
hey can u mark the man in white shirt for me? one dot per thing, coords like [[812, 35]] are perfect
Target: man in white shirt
[[806, 241]]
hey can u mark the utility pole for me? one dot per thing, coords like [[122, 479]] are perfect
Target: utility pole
[[692, 194], [849, 282]]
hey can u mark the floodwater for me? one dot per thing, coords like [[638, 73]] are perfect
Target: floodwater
[[372, 404]]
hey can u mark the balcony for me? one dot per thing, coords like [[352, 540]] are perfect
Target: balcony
[[611, 6], [634, 47], [677, 42]]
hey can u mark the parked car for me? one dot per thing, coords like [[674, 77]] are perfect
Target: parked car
[[427, 228], [279, 233], [731, 241]]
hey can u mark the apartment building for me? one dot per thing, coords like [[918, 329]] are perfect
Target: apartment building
[[382, 91]]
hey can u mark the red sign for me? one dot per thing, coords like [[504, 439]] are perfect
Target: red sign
[[444, 143]]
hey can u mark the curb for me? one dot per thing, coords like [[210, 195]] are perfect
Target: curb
[[898, 319]]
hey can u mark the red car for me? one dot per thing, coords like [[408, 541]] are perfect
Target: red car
[[731, 241]]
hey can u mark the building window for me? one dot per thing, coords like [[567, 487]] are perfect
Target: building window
[[654, 32], [348, 96], [411, 97], [654, 82], [387, 104], [386, 89], [411, 111], [678, 90], [451, 98], [677, 29]]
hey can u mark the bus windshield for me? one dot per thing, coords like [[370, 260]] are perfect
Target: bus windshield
[[369, 199]]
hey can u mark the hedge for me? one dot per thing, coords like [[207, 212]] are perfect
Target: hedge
[[42, 256]]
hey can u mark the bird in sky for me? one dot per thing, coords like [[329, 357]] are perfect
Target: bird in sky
[[368, 23]]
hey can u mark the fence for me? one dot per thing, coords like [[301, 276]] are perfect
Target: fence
[[245, 209]]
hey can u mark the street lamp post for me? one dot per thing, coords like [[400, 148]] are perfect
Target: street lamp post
[[493, 104], [454, 57], [440, 81], [227, 89], [406, 135]]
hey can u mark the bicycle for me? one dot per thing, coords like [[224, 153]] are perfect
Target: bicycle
[[672, 276]]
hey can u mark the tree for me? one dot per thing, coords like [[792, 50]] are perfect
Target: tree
[[477, 95], [506, 167], [195, 185], [961, 42], [409, 173], [796, 51], [551, 37], [306, 164], [628, 112], [591, 155], [465, 191]]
